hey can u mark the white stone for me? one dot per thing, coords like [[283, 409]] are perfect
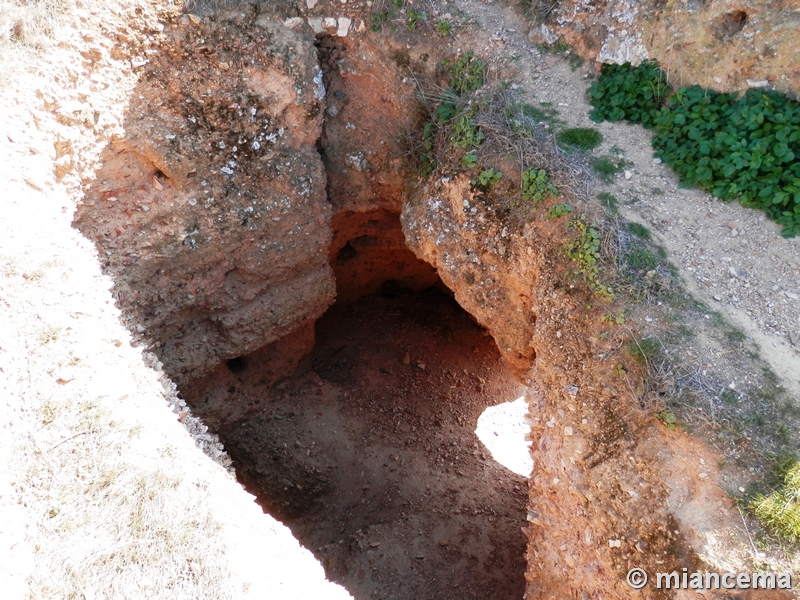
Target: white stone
[[344, 26]]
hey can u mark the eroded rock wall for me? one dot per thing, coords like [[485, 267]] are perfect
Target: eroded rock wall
[[211, 210], [727, 45], [610, 489]]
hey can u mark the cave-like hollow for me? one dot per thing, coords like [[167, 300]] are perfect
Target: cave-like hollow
[[368, 451], [356, 428]]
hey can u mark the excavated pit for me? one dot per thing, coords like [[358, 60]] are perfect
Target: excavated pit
[[226, 218], [369, 453], [368, 450]]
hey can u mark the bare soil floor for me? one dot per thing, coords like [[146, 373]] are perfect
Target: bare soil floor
[[370, 455]]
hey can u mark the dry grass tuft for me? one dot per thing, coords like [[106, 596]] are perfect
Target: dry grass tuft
[[111, 528], [32, 24]]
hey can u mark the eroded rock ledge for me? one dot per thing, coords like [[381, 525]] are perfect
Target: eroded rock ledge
[[212, 210], [611, 490]]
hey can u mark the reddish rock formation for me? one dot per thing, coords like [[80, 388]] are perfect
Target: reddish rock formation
[[211, 210], [725, 45], [606, 495]]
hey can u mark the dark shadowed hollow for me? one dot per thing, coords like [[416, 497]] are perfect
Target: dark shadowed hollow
[[369, 454]]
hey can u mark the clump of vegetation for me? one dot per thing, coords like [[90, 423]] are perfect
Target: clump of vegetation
[[466, 133], [584, 251], [609, 202], [378, 20], [487, 178], [414, 17], [645, 351], [737, 148], [558, 210], [536, 185], [582, 138], [608, 166], [632, 94], [639, 230], [641, 258], [780, 510], [609, 318], [443, 28], [427, 155], [524, 118], [470, 159], [466, 74], [745, 148]]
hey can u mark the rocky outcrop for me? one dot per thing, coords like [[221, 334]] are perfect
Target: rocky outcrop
[[725, 45], [211, 211], [606, 494], [370, 112]]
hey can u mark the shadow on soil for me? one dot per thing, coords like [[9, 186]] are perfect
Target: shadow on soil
[[369, 452]]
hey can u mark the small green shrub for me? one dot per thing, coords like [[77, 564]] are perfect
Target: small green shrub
[[669, 419], [427, 155], [609, 202], [584, 251], [378, 20], [414, 18], [609, 318], [536, 185], [645, 350], [632, 94], [780, 510], [558, 210], [639, 231], [487, 178], [466, 74], [582, 138], [443, 28], [642, 259], [466, 133], [608, 166], [470, 160]]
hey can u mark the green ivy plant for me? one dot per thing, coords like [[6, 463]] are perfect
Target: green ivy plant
[[737, 148], [632, 94], [558, 210], [466, 74], [414, 18], [487, 178], [584, 251], [536, 185], [466, 133], [470, 159]]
